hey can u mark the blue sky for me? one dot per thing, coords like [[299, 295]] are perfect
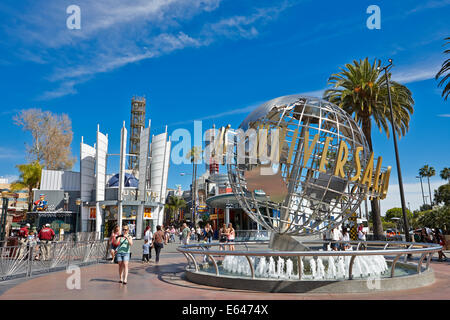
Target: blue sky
[[214, 60]]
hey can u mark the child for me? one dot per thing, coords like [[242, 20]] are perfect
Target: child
[[145, 251]]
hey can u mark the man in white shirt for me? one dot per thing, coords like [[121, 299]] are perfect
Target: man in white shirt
[[335, 236]]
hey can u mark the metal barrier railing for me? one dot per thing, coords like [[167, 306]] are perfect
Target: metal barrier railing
[[387, 249], [26, 259]]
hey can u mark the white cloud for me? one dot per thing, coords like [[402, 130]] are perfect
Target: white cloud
[[416, 73], [6, 153], [115, 33], [444, 115], [247, 109]]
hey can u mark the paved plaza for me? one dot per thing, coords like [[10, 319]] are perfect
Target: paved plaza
[[165, 281]]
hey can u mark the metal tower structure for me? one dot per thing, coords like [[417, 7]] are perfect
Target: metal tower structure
[[136, 124]]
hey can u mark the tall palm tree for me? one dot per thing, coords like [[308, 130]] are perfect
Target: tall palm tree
[[445, 174], [361, 90], [195, 154], [445, 69], [427, 171], [177, 203], [30, 177]]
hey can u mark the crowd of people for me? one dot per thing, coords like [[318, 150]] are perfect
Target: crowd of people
[[428, 235], [339, 239]]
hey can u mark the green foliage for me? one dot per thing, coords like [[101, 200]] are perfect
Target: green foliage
[[439, 218], [397, 213], [361, 90], [30, 177], [442, 194], [425, 207], [173, 205], [445, 73], [445, 174], [427, 171]]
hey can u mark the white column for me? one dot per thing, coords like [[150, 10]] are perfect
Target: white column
[[139, 221], [119, 215], [98, 218], [227, 215]]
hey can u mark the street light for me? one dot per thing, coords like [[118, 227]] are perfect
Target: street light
[[397, 158], [78, 203]]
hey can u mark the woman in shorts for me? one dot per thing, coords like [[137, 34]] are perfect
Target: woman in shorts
[[123, 243], [231, 235]]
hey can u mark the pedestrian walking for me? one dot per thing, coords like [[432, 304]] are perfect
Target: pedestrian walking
[[185, 234], [112, 241], [440, 239], [23, 240], [346, 238], [46, 236], [148, 236], [335, 236], [223, 236], [123, 243], [145, 251], [208, 233], [231, 236], [159, 240]]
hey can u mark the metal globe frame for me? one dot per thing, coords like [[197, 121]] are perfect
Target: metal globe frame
[[315, 201]]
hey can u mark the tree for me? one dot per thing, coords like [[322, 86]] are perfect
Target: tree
[[439, 218], [361, 90], [174, 204], [52, 136], [445, 72], [398, 213], [427, 171], [194, 155], [442, 194], [445, 174], [30, 177], [425, 207]]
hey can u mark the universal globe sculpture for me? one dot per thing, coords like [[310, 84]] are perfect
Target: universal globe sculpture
[[301, 194], [309, 175]]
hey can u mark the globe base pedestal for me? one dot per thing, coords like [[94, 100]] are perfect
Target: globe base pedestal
[[283, 242]]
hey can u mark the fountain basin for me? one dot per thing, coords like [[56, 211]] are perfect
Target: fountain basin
[[378, 266], [366, 285]]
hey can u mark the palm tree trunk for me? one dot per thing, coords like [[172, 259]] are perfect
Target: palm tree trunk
[[30, 199], [376, 214], [429, 189]]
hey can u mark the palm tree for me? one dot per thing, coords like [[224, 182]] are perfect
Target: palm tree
[[30, 177], [176, 203], [195, 154], [445, 69], [427, 171], [361, 90], [445, 174]]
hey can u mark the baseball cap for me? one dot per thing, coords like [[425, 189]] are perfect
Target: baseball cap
[[27, 225], [47, 224]]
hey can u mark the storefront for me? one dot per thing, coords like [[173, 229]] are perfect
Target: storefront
[[226, 204]]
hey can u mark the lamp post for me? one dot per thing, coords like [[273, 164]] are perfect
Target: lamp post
[[397, 158], [78, 203], [193, 200], [421, 186]]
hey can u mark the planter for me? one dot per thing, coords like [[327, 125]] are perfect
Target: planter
[[447, 241]]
